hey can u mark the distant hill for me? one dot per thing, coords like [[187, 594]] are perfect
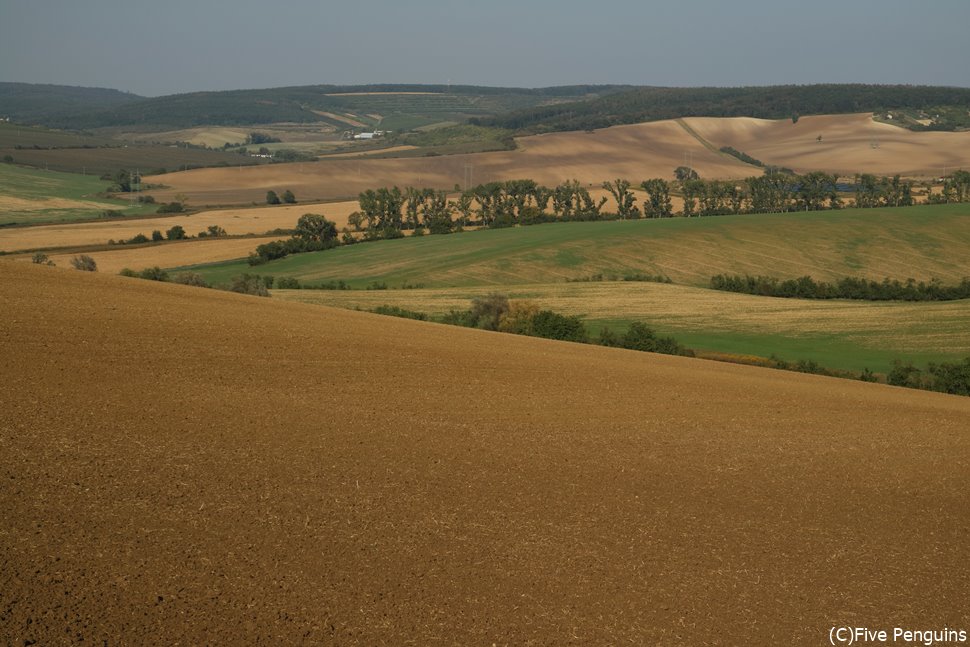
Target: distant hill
[[32, 103], [945, 107], [422, 104]]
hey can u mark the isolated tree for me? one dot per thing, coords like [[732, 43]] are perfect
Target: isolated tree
[[272, 198], [288, 197]]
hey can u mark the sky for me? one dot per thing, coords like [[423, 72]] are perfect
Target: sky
[[174, 46]]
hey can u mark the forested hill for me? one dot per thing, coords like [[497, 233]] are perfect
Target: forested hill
[[33, 103], [947, 105], [296, 104]]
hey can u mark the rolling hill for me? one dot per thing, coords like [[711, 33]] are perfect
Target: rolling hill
[[187, 465]]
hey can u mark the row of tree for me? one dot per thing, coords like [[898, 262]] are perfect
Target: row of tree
[[386, 212], [846, 288]]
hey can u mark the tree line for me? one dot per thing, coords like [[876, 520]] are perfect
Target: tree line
[[847, 288]]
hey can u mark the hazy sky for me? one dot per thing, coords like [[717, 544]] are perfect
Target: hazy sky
[[169, 46]]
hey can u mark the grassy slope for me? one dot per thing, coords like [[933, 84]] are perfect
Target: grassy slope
[[33, 190], [921, 242]]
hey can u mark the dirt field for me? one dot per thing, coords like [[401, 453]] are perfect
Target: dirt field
[[850, 144], [636, 152], [236, 222], [187, 466]]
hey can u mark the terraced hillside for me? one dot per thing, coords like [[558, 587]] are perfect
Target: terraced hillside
[[183, 465]]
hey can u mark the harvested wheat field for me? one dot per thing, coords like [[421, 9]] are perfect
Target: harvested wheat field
[[850, 144], [176, 254], [237, 222], [187, 466], [634, 152]]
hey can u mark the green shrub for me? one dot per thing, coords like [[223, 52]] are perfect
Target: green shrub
[[249, 284], [190, 278]]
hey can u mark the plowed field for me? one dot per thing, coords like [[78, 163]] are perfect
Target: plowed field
[[186, 466]]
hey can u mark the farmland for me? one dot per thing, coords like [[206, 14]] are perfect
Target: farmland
[[636, 152], [472, 467], [922, 242], [30, 196], [845, 335]]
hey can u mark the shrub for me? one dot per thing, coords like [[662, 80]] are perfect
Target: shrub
[[249, 284], [487, 311], [171, 207], [40, 258], [153, 274], [288, 197], [553, 325], [395, 311], [84, 263], [157, 236], [176, 233], [288, 283], [137, 239], [272, 198], [190, 278], [127, 271], [518, 318]]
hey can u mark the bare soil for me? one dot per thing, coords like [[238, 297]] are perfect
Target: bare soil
[[184, 466]]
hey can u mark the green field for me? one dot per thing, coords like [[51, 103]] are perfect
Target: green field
[[921, 242], [847, 335], [32, 196]]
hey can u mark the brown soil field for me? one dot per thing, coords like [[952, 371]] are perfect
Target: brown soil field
[[635, 152], [184, 466], [236, 222], [191, 252], [850, 144]]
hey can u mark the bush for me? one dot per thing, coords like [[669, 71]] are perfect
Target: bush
[[176, 233], [518, 318], [137, 239], [84, 263], [553, 325], [127, 271], [288, 283], [395, 311], [288, 197], [190, 278], [487, 311], [171, 207], [157, 236], [642, 338], [40, 258], [272, 198], [249, 284], [153, 274]]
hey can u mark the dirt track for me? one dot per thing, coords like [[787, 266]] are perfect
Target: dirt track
[[187, 466]]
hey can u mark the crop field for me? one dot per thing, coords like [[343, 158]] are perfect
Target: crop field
[[849, 144], [365, 479], [635, 152], [922, 242], [14, 135], [30, 196], [147, 159], [236, 222], [848, 335]]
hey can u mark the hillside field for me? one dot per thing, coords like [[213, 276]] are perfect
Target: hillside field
[[635, 152], [837, 334], [29, 196], [922, 242], [181, 464]]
